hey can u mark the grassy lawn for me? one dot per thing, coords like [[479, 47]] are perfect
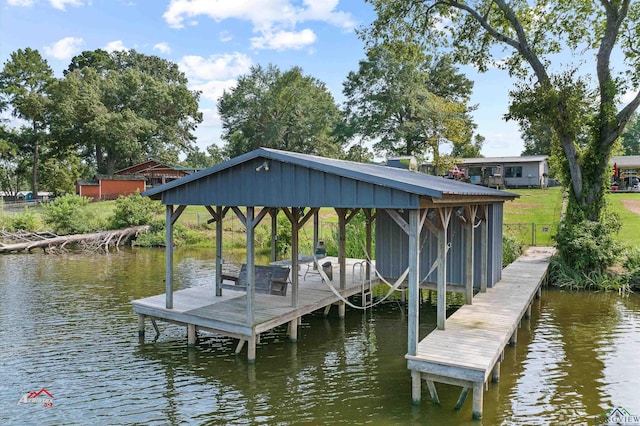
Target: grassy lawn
[[630, 232], [534, 215]]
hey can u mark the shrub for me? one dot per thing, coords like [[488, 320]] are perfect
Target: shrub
[[134, 210], [67, 215], [511, 249], [589, 246], [26, 221]]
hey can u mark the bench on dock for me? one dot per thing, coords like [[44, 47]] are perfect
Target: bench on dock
[[268, 280]]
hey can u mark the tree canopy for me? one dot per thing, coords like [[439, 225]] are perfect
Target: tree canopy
[[526, 40], [408, 103], [284, 110], [123, 107], [24, 82]]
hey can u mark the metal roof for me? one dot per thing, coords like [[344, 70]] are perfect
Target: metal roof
[[504, 160], [626, 161], [308, 180]]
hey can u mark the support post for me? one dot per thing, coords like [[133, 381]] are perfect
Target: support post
[[251, 272], [445, 216], [527, 314], [342, 246], [478, 389], [495, 373], [141, 319], [484, 245], [416, 387], [169, 258], [191, 335], [219, 251], [413, 283], [251, 349], [295, 266], [469, 249], [514, 338], [274, 233], [293, 330], [342, 309], [539, 293]]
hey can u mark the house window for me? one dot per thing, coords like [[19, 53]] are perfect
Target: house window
[[513, 172]]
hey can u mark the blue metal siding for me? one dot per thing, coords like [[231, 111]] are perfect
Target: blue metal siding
[[285, 184], [392, 249]]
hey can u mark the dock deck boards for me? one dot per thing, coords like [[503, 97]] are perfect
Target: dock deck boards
[[227, 314], [475, 336]]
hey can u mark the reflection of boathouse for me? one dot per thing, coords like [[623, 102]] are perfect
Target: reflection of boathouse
[[425, 225]]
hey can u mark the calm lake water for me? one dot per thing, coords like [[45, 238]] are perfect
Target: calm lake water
[[66, 325]]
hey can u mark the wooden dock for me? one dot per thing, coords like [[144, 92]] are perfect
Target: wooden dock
[[470, 348], [198, 308]]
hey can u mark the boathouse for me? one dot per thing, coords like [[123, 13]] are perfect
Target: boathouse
[[430, 233]]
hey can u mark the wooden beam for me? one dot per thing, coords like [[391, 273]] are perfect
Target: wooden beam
[[413, 283], [399, 220], [295, 266], [274, 233], [484, 248], [478, 390], [342, 245], [177, 214], [462, 398], [251, 272], [219, 215], [433, 392], [469, 253], [444, 215], [240, 215], [169, 257], [192, 335], [416, 386]]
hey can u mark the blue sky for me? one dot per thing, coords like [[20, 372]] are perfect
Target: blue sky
[[215, 41]]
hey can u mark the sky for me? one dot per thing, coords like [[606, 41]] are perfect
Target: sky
[[216, 41]]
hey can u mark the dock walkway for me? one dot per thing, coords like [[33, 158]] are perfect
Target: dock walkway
[[470, 348], [198, 308]]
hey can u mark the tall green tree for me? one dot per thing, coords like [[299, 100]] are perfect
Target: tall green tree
[[404, 103], [284, 110], [531, 33], [123, 107], [24, 82], [631, 137]]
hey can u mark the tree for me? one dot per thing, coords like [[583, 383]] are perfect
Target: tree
[[532, 33], [404, 103], [469, 150], [631, 137], [537, 137], [283, 110], [123, 107], [24, 81]]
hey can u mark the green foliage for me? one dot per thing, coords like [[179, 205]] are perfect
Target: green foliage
[[67, 215], [283, 110], [589, 247], [283, 236], [632, 258], [563, 276], [511, 249], [408, 105], [356, 232], [631, 137], [122, 107], [134, 210], [182, 236], [585, 114], [26, 221]]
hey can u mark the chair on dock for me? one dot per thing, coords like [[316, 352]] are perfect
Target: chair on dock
[[268, 280]]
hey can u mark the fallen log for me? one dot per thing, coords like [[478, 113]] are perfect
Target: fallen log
[[94, 241]]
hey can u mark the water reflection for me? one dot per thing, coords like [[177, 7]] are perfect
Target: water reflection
[[67, 325]]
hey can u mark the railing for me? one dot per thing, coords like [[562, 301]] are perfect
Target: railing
[[532, 234]]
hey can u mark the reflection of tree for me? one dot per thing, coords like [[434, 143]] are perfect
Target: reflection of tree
[[577, 334]]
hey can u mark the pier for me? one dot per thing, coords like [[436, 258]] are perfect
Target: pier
[[468, 352], [199, 308]]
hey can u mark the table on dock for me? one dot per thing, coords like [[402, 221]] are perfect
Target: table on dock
[[470, 348]]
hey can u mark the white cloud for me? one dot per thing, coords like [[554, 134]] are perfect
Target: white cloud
[[20, 3], [283, 40], [273, 20], [62, 4], [213, 89], [64, 48], [163, 47], [115, 45], [215, 67]]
